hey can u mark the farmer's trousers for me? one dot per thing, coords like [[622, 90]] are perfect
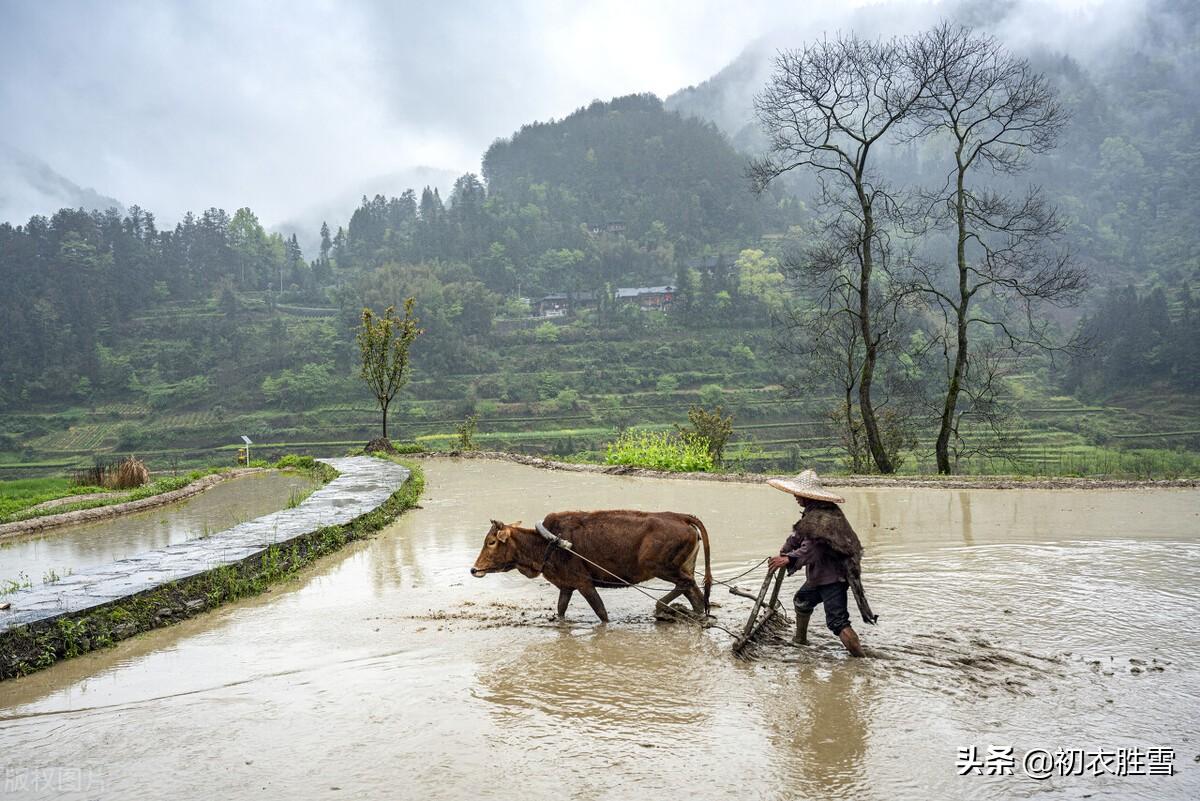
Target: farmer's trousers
[[837, 615]]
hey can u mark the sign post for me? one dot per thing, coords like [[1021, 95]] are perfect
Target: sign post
[[246, 440]]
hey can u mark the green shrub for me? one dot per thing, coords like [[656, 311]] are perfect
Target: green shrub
[[679, 453], [667, 383], [294, 461], [711, 395], [466, 434], [548, 385], [301, 387], [567, 400], [711, 427]]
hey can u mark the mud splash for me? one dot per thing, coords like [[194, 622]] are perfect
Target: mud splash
[[1032, 619]]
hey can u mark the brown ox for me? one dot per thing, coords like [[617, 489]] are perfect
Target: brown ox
[[635, 546]]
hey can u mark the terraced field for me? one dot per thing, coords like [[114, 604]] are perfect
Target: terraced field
[[78, 439], [570, 399]]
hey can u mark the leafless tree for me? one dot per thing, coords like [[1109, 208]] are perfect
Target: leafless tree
[[987, 413], [826, 108], [993, 111], [821, 326]]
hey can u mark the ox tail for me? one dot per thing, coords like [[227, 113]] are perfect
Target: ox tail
[[708, 579]]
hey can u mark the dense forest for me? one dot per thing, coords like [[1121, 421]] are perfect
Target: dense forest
[[73, 278], [1135, 338], [672, 188], [76, 278]]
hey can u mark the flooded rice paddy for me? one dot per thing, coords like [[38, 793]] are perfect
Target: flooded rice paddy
[[1030, 619], [71, 548]]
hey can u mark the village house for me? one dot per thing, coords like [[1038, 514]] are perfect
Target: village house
[[611, 227], [557, 304], [650, 298]]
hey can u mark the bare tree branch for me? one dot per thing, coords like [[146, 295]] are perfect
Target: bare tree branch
[[824, 108], [994, 112]]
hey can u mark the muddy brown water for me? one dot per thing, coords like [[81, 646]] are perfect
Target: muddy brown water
[[72, 548], [1031, 619]]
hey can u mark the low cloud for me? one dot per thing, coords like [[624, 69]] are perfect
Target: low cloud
[[283, 105]]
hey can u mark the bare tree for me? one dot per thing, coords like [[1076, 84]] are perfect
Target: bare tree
[[987, 413], [825, 108], [993, 111], [821, 325], [821, 329]]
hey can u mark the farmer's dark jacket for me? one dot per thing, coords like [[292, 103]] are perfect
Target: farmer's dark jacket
[[822, 565], [825, 544]]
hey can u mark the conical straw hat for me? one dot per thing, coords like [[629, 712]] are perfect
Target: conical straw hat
[[806, 485]]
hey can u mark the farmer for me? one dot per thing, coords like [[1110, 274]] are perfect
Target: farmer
[[823, 542]]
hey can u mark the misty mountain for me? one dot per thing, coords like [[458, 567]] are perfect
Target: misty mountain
[[1124, 168], [1026, 26], [29, 186], [630, 161], [726, 98]]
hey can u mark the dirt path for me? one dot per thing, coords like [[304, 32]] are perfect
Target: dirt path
[[35, 524], [833, 480]]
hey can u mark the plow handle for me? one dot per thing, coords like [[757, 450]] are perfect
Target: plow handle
[[776, 574]]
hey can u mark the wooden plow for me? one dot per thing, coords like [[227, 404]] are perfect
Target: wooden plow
[[767, 618]]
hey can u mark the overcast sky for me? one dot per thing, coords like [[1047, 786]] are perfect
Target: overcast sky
[[283, 105]]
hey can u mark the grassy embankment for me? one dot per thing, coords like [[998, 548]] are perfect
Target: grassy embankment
[[17, 504], [567, 399], [18, 497]]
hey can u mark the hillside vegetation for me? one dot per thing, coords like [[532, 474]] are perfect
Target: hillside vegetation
[[121, 337]]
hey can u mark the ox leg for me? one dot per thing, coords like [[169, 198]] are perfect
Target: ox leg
[[593, 599], [564, 598], [662, 607], [696, 598]]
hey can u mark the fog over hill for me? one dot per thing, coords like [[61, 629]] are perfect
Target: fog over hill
[[1126, 162], [30, 186], [289, 107], [335, 207], [1088, 33]]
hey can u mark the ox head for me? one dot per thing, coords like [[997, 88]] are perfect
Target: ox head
[[499, 550]]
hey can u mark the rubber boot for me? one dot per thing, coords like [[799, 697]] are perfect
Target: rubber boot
[[850, 640], [801, 637]]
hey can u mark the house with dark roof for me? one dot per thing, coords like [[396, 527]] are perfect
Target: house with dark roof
[[610, 227], [655, 298], [557, 304]]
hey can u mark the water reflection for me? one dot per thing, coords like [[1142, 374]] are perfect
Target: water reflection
[[964, 510], [72, 548], [819, 719], [606, 681]]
